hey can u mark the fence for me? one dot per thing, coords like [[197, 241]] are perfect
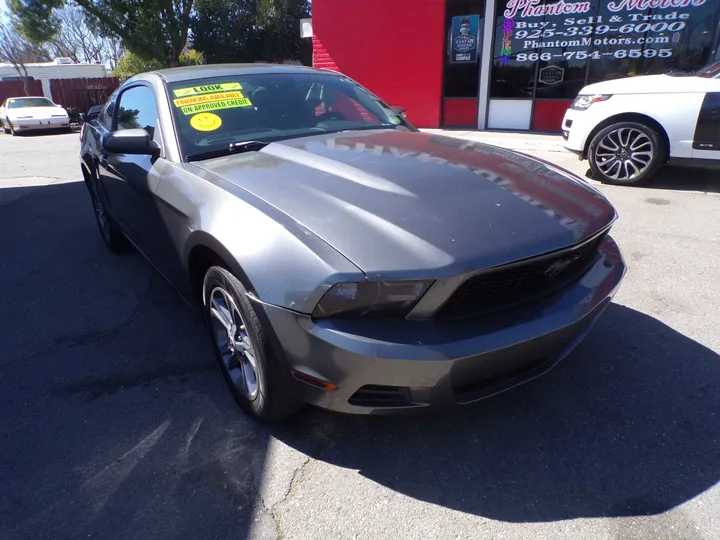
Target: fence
[[82, 94], [10, 89]]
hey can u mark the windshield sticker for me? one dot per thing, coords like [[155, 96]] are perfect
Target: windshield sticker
[[207, 98], [215, 105], [206, 122], [206, 89], [11, 101]]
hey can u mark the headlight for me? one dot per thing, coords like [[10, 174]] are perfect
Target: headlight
[[583, 102], [375, 298]]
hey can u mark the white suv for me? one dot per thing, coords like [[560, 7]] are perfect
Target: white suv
[[629, 127]]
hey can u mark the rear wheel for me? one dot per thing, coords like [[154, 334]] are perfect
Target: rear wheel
[[260, 384], [626, 153]]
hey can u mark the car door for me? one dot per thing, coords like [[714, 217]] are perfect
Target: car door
[[706, 142], [129, 181]]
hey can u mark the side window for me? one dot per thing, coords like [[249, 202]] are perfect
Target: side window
[[137, 109], [106, 116]]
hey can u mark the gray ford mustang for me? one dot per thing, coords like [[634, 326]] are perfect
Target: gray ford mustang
[[339, 256]]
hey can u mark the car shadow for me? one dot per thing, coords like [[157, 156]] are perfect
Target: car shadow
[[116, 420], [626, 426], [681, 179]]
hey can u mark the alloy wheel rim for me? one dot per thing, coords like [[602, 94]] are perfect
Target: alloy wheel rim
[[624, 154], [233, 343]]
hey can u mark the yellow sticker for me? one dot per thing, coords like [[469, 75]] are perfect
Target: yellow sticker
[[206, 122], [206, 89], [11, 101], [207, 98], [215, 105]]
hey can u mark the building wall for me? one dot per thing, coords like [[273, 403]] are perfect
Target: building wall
[[393, 47], [51, 70]]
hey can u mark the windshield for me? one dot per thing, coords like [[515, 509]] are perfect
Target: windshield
[[212, 115], [21, 103], [710, 72]]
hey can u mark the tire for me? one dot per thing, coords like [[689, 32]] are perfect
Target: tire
[[11, 130], [6, 130], [110, 231], [626, 153], [272, 397]]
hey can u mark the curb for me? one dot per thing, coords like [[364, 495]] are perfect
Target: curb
[[529, 144]]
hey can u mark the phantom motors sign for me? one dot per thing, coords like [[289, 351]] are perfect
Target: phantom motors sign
[[535, 8], [581, 33]]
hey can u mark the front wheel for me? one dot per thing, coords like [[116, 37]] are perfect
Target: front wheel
[[6, 129], [110, 231], [260, 384], [626, 153]]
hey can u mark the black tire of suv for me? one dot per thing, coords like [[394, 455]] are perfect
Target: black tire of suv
[[659, 151], [276, 398]]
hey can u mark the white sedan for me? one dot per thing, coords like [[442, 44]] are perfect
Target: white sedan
[[20, 114], [628, 128]]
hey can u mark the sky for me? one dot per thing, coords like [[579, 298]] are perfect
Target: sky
[[3, 9]]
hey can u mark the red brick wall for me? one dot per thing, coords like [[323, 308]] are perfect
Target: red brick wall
[[393, 47]]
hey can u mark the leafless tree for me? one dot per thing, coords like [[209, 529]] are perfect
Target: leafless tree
[[17, 51], [113, 52], [78, 39], [74, 39]]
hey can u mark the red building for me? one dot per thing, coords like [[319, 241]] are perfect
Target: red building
[[506, 64]]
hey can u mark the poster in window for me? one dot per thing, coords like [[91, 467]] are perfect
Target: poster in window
[[464, 39]]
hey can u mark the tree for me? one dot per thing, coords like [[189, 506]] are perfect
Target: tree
[[78, 39], [133, 64], [151, 29], [16, 50], [249, 30]]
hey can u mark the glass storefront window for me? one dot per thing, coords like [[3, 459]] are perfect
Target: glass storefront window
[[552, 48]]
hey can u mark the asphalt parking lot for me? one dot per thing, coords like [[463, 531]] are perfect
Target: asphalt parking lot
[[116, 424]]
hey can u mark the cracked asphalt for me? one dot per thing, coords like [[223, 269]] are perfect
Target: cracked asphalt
[[115, 422]]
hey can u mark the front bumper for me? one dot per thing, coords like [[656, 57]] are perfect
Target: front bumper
[[31, 124], [387, 366], [576, 129]]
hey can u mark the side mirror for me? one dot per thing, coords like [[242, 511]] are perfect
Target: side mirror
[[58, 106], [83, 117], [402, 111], [130, 141]]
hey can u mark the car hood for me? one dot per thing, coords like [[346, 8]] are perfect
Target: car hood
[[651, 84], [408, 204], [34, 112]]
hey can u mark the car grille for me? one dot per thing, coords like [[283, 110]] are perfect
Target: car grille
[[516, 284], [373, 395]]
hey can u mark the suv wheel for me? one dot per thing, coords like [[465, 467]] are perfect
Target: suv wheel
[[626, 153]]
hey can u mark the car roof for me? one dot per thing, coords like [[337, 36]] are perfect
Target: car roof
[[29, 97], [222, 70]]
